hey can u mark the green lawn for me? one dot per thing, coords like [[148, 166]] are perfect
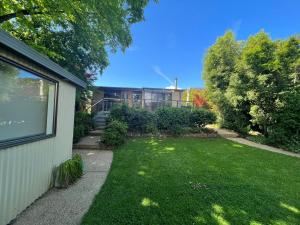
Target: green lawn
[[192, 181]]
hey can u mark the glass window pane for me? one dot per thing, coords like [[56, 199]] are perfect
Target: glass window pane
[[26, 103]]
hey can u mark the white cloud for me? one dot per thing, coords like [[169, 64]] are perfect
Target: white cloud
[[170, 87]]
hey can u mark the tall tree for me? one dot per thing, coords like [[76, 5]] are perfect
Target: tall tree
[[259, 86], [219, 65], [220, 62], [288, 61], [258, 58], [75, 34]]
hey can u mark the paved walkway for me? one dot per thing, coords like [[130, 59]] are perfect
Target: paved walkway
[[91, 142], [67, 206], [230, 135], [264, 147]]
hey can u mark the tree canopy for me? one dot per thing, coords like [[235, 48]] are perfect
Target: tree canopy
[[254, 84], [75, 34]]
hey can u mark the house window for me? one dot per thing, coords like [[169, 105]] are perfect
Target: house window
[[112, 94], [124, 95], [27, 105], [168, 97], [137, 96]]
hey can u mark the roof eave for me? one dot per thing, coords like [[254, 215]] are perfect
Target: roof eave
[[31, 54]]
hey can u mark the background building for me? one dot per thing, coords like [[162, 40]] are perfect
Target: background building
[[148, 98]]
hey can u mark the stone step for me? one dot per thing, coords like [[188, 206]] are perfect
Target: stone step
[[100, 122], [99, 119], [90, 142], [102, 115], [225, 133], [100, 126], [96, 132]]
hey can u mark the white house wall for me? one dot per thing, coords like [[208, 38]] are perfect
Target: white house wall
[[26, 170]]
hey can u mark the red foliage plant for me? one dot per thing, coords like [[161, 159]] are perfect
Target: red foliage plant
[[199, 101]]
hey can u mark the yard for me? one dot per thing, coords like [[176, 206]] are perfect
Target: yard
[[197, 181]]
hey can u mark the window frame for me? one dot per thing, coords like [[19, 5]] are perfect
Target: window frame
[[37, 137]]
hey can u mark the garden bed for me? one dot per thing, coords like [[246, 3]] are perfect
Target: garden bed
[[164, 122], [211, 134]]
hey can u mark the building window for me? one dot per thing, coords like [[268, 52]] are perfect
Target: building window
[[112, 94], [137, 99], [27, 105], [124, 95], [168, 96], [136, 96]]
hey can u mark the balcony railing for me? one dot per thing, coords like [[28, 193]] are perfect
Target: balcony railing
[[106, 104]]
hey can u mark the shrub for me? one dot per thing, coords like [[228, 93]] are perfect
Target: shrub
[[285, 131], [196, 130], [120, 112], [115, 133], [82, 125], [141, 121], [138, 120], [169, 119], [201, 117], [69, 171], [78, 132], [177, 130]]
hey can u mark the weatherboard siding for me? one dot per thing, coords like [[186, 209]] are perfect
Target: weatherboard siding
[[26, 170]]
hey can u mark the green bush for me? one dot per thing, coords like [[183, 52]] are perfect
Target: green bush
[[69, 171], [169, 119], [141, 121], [201, 117], [285, 131], [166, 120], [82, 125], [115, 133], [120, 112], [138, 120], [78, 132], [176, 120]]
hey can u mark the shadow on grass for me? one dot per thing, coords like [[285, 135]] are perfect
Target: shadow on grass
[[190, 181]]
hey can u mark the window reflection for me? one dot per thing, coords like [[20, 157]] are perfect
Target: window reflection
[[26, 103]]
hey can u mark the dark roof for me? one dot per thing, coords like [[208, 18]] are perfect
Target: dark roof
[[163, 89], [135, 89], [119, 88], [29, 53]]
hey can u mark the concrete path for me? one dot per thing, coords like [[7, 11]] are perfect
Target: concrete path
[[230, 135], [264, 147], [91, 142], [67, 206], [226, 133]]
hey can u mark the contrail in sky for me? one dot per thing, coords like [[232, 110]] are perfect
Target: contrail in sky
[[158, 71]]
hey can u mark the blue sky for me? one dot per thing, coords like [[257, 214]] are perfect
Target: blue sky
[[176, 34]]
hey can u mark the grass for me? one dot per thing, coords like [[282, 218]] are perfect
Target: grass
[[194, 181]]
